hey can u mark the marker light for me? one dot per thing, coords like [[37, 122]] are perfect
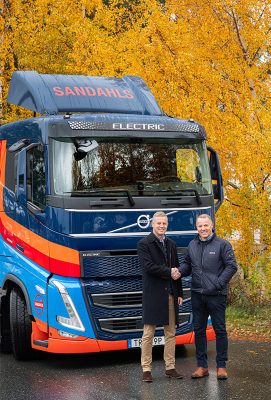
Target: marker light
[[74, 321]]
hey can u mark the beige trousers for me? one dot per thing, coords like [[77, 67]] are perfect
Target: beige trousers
[[170, 341]]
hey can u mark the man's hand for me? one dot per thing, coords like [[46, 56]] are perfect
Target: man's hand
[[175, 273], [180, 301]]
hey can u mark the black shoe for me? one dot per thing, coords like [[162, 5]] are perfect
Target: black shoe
[[172, 373], [147, 377]]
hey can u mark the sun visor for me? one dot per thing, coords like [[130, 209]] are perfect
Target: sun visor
[[53, 94]]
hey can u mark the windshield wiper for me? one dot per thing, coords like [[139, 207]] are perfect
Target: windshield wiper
[[94, 192], [183, 191]]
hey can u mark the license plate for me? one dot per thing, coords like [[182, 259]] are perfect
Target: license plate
[[157, 341]]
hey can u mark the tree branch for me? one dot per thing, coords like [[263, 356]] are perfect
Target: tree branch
[[237, 205]]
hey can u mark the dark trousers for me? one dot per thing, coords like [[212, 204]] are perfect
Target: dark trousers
[[202, 307]]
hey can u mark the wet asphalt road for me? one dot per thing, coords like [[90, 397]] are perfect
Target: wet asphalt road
[[117, 375]]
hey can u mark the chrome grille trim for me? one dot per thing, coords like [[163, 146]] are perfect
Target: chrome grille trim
[[105, 323], [122, 299], [188, 290], [125, 299]]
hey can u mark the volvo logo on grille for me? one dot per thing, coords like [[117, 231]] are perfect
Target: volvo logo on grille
[[143, 221]]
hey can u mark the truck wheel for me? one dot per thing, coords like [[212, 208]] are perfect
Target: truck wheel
[[20, 326], [5, 338]]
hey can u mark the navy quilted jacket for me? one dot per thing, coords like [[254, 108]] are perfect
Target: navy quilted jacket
[[211, 263]]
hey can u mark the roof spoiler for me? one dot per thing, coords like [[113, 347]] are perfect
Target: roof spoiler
[[54, 94]]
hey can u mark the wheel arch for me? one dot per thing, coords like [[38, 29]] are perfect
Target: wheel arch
[[11, 281]]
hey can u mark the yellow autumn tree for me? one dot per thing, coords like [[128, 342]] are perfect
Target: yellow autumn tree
[[207, 60], [210, 60]]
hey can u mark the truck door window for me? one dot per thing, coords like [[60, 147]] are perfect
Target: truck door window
[[35, 176]]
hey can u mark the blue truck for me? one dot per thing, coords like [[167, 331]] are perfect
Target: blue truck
[[79, 183]]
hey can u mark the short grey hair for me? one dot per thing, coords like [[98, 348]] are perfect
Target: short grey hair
[[159, 214], [204, 216]]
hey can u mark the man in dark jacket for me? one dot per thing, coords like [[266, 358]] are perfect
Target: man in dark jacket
[[162, 294], [212, 264]]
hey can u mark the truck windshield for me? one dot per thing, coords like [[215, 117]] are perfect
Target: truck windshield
[[139, 167]]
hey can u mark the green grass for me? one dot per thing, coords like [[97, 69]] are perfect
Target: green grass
[[249, 322]]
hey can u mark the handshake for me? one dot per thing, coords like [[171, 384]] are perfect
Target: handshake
[[175, 273]]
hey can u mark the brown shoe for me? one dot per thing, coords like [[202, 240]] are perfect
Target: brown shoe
[[200, 373], [147, 376], [222, 374], [172, 373]]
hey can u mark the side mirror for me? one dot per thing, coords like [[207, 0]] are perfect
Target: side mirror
[[215, 191], [83, 147], [216, 176], [20, 189]]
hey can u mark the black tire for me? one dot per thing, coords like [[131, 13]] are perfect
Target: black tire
[[5, 338], [20, 326]]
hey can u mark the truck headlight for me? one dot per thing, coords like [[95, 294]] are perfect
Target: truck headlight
[[74, 320]]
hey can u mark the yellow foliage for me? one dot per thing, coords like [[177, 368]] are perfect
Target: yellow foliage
[[209, 60]]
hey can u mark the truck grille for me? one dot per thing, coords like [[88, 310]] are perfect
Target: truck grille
[[126, 299], [116, 300], [133, 324], [113, 287], [109, 266]]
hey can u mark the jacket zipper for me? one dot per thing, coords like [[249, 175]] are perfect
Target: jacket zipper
[[201, 266]]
